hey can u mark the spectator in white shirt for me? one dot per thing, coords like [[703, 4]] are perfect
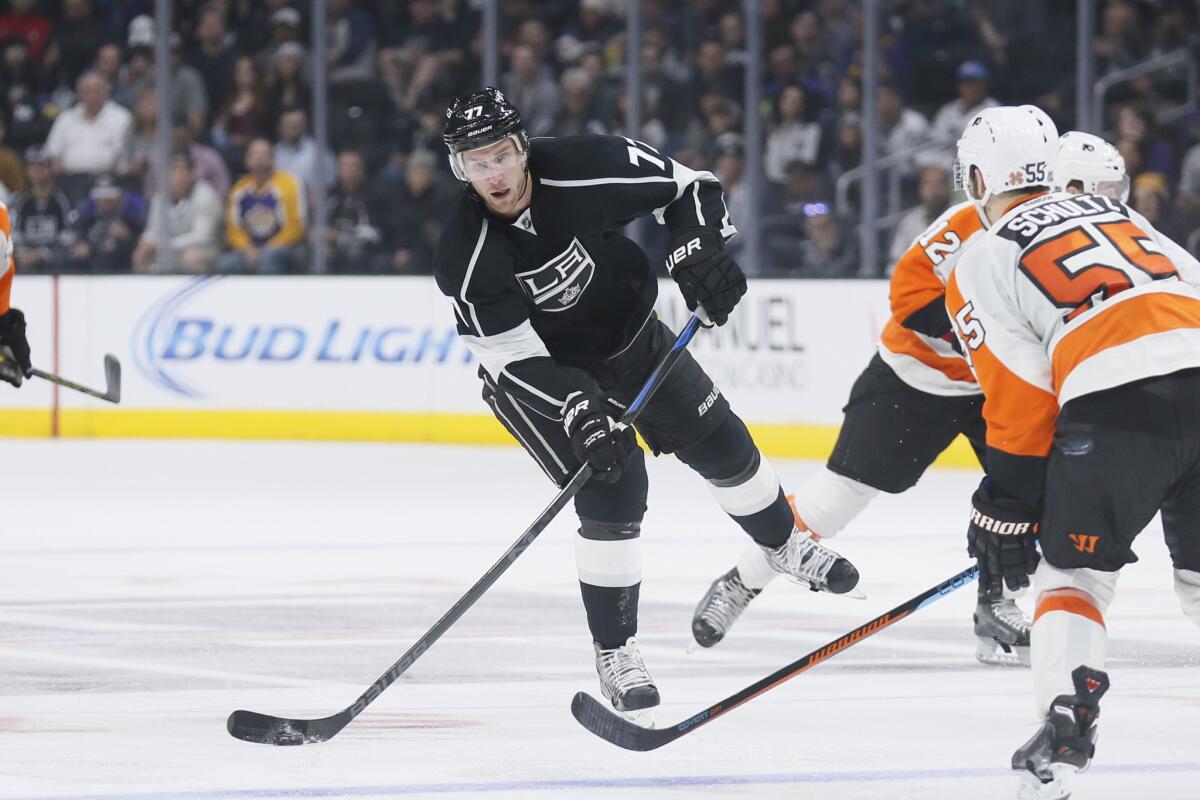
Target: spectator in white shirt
[[903, 128], [933, 189], [193, 219], [90, 137], [795, 136], [296, 151], [952, 118]]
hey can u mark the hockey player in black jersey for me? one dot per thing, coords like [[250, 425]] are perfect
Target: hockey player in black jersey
[[559, 308]]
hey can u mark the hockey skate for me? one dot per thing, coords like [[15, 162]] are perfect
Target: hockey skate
[[807, 561], [626, 683], [720, 607], [1065, 743], [1002, 630]]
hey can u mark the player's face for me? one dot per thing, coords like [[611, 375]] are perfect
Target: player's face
[[498, 174]]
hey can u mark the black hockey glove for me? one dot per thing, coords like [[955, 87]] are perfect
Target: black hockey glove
[[604, 448], [705, 273], [1002, 536], [14, 347]]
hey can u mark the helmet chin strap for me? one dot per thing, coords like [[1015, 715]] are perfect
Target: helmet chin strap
[[981, 201]]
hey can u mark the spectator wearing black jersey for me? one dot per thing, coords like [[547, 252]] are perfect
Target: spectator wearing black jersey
[[41, 218], [417, 215], [353, 234]]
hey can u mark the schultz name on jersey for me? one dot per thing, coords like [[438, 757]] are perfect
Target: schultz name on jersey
[[560, 282]]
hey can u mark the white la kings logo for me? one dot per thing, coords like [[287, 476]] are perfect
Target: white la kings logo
[[559, 283]]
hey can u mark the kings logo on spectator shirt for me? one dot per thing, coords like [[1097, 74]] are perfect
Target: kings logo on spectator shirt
[[560, 282]]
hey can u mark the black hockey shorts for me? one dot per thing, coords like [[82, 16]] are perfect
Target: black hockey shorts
[[1119, 457], [892, 432], [686, 408]]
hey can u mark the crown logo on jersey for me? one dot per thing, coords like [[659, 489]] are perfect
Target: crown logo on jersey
[[569, 294]]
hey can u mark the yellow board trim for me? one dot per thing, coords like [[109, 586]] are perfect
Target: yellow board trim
[[775, 440]]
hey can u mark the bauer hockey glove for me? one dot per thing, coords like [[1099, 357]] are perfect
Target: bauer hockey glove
[[1002, 535], [14, 347], [596, 443], [705, 273]]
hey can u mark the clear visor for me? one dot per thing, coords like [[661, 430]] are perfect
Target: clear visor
[[475, 165], [1115, 190]]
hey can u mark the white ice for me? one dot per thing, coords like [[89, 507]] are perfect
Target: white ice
[[150, 588]]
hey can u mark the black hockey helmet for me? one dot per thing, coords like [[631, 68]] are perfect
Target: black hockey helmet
[[478, 119]]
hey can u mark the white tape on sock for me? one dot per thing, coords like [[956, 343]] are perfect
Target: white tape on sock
[[827, 502]]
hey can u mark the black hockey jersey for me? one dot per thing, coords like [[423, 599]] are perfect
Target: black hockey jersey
[[560, 286], [40, 224]]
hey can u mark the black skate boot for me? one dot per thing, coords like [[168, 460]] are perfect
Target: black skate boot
[[625, 681], [1066, 741], [1002, 630], [805, 560], [720, 607]]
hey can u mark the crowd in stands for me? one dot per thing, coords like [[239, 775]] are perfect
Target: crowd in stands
[[79, 116]]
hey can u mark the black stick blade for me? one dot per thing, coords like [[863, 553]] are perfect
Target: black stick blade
[[612, 727], [112, 377], [250, 726]]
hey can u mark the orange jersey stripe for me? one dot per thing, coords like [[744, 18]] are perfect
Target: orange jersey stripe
[[916, 283], [1073, 601], [1020, 416], [9, 266], [901, 341], [1120, 324]]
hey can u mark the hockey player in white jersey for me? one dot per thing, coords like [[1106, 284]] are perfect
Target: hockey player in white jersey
[[1082, 324], [913, 399]]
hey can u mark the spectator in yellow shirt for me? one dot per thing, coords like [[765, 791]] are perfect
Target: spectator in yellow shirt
[[264, 218]]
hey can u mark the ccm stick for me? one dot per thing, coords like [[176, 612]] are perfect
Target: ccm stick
[[608, 725], [112, 379], [251, 726]]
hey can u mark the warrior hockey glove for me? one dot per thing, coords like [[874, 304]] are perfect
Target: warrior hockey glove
[[1002, 535], [14, 347], [705, 273], [595, 442]]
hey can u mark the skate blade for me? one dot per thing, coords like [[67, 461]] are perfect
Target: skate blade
[[643, 717], [990, 652], [854, 594], [1059, 788]]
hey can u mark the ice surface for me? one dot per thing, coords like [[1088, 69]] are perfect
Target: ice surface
[[150, 588]]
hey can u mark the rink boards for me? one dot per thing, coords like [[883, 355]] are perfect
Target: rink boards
[[377, 358]]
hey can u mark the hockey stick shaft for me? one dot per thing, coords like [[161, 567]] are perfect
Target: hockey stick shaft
[[112, 371], [261, 728], [609, 726]]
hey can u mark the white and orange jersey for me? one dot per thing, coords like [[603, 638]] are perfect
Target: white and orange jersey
[[7, 266], [923, 362], [1064, 296]]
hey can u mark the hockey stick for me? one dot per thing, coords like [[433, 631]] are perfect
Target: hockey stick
[[608, 725], [112, 379], [266, 729]]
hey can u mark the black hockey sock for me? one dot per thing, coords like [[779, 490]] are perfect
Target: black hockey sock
[[612, 613]]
